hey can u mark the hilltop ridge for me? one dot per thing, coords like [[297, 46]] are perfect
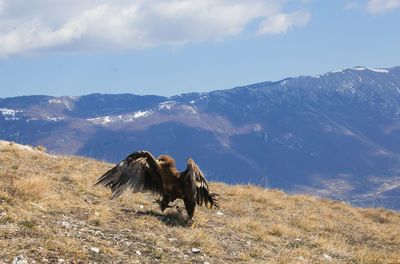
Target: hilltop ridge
[[51, 213]]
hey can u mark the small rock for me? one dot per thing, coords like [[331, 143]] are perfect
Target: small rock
[[138, 253], [248, 242], [327, 257], [301, 258], [172, 239], [206, 262], [220, 213], [141, 206], [298, 239], [39, 206], [128, 243], [95, 250], [196, 250], [96, 213], [60, 260], [20, 260], [3, 214], [66, 224]]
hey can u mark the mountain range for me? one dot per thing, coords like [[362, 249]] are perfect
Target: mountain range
[[334, 135]]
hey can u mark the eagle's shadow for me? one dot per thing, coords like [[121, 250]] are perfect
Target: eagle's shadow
[[170, 218]]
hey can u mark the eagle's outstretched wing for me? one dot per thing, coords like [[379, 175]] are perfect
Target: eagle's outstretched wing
[[199, 186], [137, 172]]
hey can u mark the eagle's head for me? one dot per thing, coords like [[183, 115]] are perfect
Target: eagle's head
[[165, 161]]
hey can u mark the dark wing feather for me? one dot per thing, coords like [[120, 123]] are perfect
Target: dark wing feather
[[199, 186], [137, 172]]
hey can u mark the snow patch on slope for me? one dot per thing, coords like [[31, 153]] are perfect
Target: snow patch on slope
[[9, 114], [106, 120], [166, 105], [379, 70], [53, 119], [189, 109], [65, 101], [370, 69], [360, 68], [141, 114], [337, 71]]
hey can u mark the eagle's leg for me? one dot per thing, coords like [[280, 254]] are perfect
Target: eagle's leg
[[190, 206], [163, 203]]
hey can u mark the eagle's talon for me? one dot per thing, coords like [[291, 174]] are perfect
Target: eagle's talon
[[192, 222], [158, 201]]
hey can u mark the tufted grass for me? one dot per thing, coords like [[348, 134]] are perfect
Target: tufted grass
[[49, 210]]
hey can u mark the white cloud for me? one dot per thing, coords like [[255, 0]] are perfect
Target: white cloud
[[382, 6], [40, 26], [35, 35], [280, 23]]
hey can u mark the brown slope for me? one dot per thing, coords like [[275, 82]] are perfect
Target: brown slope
[[49, 210]]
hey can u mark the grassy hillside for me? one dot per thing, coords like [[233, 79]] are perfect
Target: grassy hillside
[[50, 213]]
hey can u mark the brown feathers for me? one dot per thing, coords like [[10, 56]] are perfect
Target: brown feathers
[[141, 172], [202, 194], [136, 172]]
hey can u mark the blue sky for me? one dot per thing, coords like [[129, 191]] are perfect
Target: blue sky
[[169, 47]]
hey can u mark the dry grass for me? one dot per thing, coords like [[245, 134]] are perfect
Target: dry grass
[[49, 211]]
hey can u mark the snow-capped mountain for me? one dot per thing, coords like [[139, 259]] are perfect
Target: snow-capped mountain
[[335, 135]]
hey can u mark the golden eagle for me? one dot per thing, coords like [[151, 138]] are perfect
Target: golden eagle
[[140, 171]]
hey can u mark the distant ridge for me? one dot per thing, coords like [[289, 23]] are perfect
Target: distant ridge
[[334, 135]]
